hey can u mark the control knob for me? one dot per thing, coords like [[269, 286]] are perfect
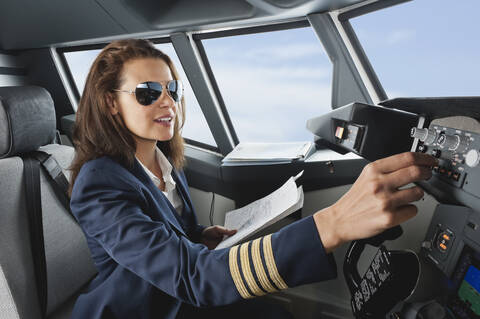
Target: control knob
[[425, 135], [472, 158], [453, 142]]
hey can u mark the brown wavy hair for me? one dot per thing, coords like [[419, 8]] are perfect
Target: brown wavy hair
[[96, 131]]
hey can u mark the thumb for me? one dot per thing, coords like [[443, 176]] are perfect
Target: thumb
[[223, 230], [230, 231]]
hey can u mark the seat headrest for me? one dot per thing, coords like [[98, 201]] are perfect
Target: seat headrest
[[27, 119]]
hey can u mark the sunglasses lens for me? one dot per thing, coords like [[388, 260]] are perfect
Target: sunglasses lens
[[175, 89], [148, 92]]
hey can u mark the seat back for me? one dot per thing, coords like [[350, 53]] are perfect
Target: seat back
[[27, 122]]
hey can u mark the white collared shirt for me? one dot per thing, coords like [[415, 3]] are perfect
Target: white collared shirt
[[170, 186]]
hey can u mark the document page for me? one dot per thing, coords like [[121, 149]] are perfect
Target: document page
[[263, 212]]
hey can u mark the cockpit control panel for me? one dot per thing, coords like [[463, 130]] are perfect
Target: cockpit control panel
[[448, 129], [458, 151]]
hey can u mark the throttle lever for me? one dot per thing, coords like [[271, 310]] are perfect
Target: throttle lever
[[391, 277]]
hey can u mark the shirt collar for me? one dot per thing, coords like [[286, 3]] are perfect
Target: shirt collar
[[166, 168]]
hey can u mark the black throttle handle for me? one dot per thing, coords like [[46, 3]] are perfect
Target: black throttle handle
[[391, 277]]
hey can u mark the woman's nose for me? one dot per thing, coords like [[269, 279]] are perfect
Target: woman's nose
[[165, 100]]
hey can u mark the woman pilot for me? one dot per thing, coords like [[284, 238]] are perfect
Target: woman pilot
[[131, 199]]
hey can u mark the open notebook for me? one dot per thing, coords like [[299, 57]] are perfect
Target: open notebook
[[267, 152]]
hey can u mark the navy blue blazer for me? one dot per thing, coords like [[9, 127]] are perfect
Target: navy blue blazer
[[149, 260]]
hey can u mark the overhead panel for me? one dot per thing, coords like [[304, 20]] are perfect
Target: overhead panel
[[173, 13], [31, 24], [286, 3]]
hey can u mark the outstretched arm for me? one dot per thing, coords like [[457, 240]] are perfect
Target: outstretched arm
[[109, 209]]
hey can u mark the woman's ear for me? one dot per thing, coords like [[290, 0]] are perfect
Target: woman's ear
[[112, 104]]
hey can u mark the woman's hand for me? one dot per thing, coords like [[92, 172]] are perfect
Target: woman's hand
[[375, 202], [213, 235]]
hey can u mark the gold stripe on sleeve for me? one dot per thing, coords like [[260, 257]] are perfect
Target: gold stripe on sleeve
[[260, 271], [235, 272], [247, 271], [270, 261]]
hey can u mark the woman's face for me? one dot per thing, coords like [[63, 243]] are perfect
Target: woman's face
[[143, 121]]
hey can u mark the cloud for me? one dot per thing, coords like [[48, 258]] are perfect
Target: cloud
[[266, 104], [271, 53], [282, 53], [272, 105], [268, 92]]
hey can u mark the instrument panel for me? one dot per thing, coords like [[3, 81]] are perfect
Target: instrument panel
[[458, 154], [455, 141]]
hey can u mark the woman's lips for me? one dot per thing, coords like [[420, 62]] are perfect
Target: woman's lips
[[165, 121]]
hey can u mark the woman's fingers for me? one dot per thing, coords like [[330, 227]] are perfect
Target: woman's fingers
[[407, 175], [224, 231], [403, 160], [406, 196]]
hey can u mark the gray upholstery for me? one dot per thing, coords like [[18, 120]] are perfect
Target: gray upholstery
[[15, 254], [69, 265], [27, 119], [8, 310], [29, 114]]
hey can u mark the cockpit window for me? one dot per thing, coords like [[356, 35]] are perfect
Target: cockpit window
[[423, 48], [195, 128], [79, 63], [272, 82]]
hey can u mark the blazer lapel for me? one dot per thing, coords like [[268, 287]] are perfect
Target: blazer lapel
[[169, 213], [182, 187]]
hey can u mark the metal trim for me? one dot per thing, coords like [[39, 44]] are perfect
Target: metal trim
[[250, 30], [368, 8], [190, 57], [66, 77]]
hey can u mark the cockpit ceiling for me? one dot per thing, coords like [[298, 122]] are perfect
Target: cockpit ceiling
[[42, 23]]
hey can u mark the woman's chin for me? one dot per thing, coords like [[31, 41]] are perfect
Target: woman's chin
[[163, 137]]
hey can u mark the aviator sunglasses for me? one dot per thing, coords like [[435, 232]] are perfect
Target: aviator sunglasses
[[147, 93]]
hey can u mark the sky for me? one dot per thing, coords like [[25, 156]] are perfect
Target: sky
[[424, 47], [272, 83]]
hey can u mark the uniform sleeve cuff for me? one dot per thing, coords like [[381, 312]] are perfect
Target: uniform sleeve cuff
[[300, 255], [196, 235]]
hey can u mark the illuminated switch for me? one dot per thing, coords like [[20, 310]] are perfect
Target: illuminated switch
[[446, 237], [443, 247], [339, 132]]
